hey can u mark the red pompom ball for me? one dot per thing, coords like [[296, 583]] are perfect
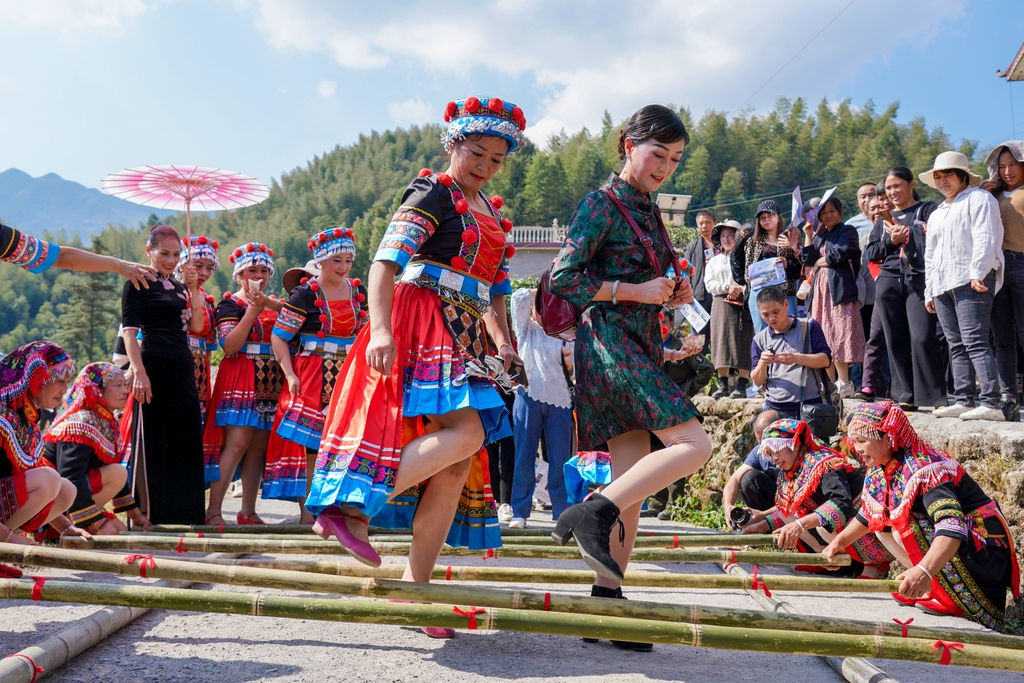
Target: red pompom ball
[[522, 124], [227, 295], [506, 225], [321, 334], [684, 264], [472, 104], [216, 244], [468, 236], [500, 276], [661, 316], [459, 263], [338, 232], [495, 104], [664, 330], [362, 314], [444, 179], [210, 299], [270, 252], [356, 282], [315, 286], [320, 302], [303, 280], [449, 111], [424, 172], [510, 251], [360, 298], [691, 271], [323, 318], [202, 239], [497, 202], [517, 115], [461, 206], [250, 247], [238, 252]]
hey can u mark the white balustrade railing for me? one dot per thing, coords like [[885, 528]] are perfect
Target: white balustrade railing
[[534, 234]]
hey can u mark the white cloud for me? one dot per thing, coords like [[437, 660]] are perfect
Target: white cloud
[[411, 111], [72, 17], [599, 55], [326, 89]]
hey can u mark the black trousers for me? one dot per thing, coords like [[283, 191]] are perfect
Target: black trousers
[[501, 461], [875, 353], [758, 490], [917, 358]]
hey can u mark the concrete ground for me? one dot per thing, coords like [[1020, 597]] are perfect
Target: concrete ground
[[181, 646]]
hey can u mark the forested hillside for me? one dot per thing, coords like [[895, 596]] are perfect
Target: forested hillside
[[730, 164]]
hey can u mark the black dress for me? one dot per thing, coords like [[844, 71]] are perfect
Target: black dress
[[168, 471]]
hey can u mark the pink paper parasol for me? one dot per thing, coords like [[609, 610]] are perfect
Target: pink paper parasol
[[183, 187]]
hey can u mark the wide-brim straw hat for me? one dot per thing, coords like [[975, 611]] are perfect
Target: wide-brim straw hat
[[947, 161], [716, 232], [293, 276]]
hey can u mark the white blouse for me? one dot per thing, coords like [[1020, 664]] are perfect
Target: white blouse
[[963, 243], [718, 276], [541, 354]]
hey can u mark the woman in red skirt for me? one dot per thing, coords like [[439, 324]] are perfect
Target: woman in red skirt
[[83, 445], [32, 378], [248, 382], [322, 315], [417, 395]]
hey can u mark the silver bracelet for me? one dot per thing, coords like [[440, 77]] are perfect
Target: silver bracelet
[[615, 292], [800, 524], [927, 573]]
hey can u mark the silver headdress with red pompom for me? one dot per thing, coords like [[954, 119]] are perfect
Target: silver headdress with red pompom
[[488, 116]]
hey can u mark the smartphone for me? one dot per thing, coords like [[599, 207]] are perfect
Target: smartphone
[[887, 216]]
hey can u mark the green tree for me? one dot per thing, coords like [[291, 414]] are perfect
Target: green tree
[[91, 313], [728, 193], [546, 194]]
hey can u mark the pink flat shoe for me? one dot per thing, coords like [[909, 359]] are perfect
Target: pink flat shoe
[[333, 520], [436, 632]]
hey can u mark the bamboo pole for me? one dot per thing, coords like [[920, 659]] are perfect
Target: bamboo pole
[[566, 576], [678, 541], [60, 648], [852, 669], [529, 621], [319, 547], [180, 529], [164, 567]]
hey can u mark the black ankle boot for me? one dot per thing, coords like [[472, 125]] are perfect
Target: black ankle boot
[[590, 523], [740, 388], [616, 593], [723, 388]]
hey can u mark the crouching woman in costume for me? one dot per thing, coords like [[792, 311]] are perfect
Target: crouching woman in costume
[[325, 312], [417, 395], [83, 445], [934, 518], [248, 383], [32, 378], [817, 496]]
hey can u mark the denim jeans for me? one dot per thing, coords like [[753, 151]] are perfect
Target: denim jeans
[[1008, 322], [529, 419], [966, 319], [755, 313]]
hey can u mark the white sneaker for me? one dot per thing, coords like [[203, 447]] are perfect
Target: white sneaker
[[517, 523], [955, 410], [983, 413], [845, 389], [505, 513]]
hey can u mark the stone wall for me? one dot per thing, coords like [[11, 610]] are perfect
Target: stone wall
[[991, 452]]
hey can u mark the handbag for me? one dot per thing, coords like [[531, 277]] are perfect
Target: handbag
[[560, 318], [822, 418]]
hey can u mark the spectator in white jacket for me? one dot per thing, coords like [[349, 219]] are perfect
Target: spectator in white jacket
[[731, 327], [963, 272]]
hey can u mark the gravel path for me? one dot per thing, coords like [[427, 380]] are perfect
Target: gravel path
[[181, 646]]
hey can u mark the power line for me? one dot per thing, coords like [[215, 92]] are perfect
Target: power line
[[806, 45]]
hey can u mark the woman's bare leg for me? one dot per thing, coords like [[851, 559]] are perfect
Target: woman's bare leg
[[625, 451], [433, 520], [687, 449], [61, 504], [236, 442], [43, 485], [460, 434], [305, 517], [114, 477], [253, 463]]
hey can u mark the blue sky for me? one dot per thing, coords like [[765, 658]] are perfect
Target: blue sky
[[261, 86]]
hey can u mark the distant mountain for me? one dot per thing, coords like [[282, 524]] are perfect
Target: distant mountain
[[50, 203]]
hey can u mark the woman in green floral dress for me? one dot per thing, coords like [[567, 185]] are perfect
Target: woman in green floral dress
[[623, 392]]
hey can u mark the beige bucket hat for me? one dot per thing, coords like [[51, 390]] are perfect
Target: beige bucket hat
[[293, 276], [947, 161]]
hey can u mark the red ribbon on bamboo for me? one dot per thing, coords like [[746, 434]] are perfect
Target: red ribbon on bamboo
[[489, 555], [904, 624], [756, 583], [946, 647], [547, 602], [147, 562], [37, 587], [180, 548], [675, 544], [200, 534], [36, 669], [220, 528], [473, 611], [731, 562], [448, 573]]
